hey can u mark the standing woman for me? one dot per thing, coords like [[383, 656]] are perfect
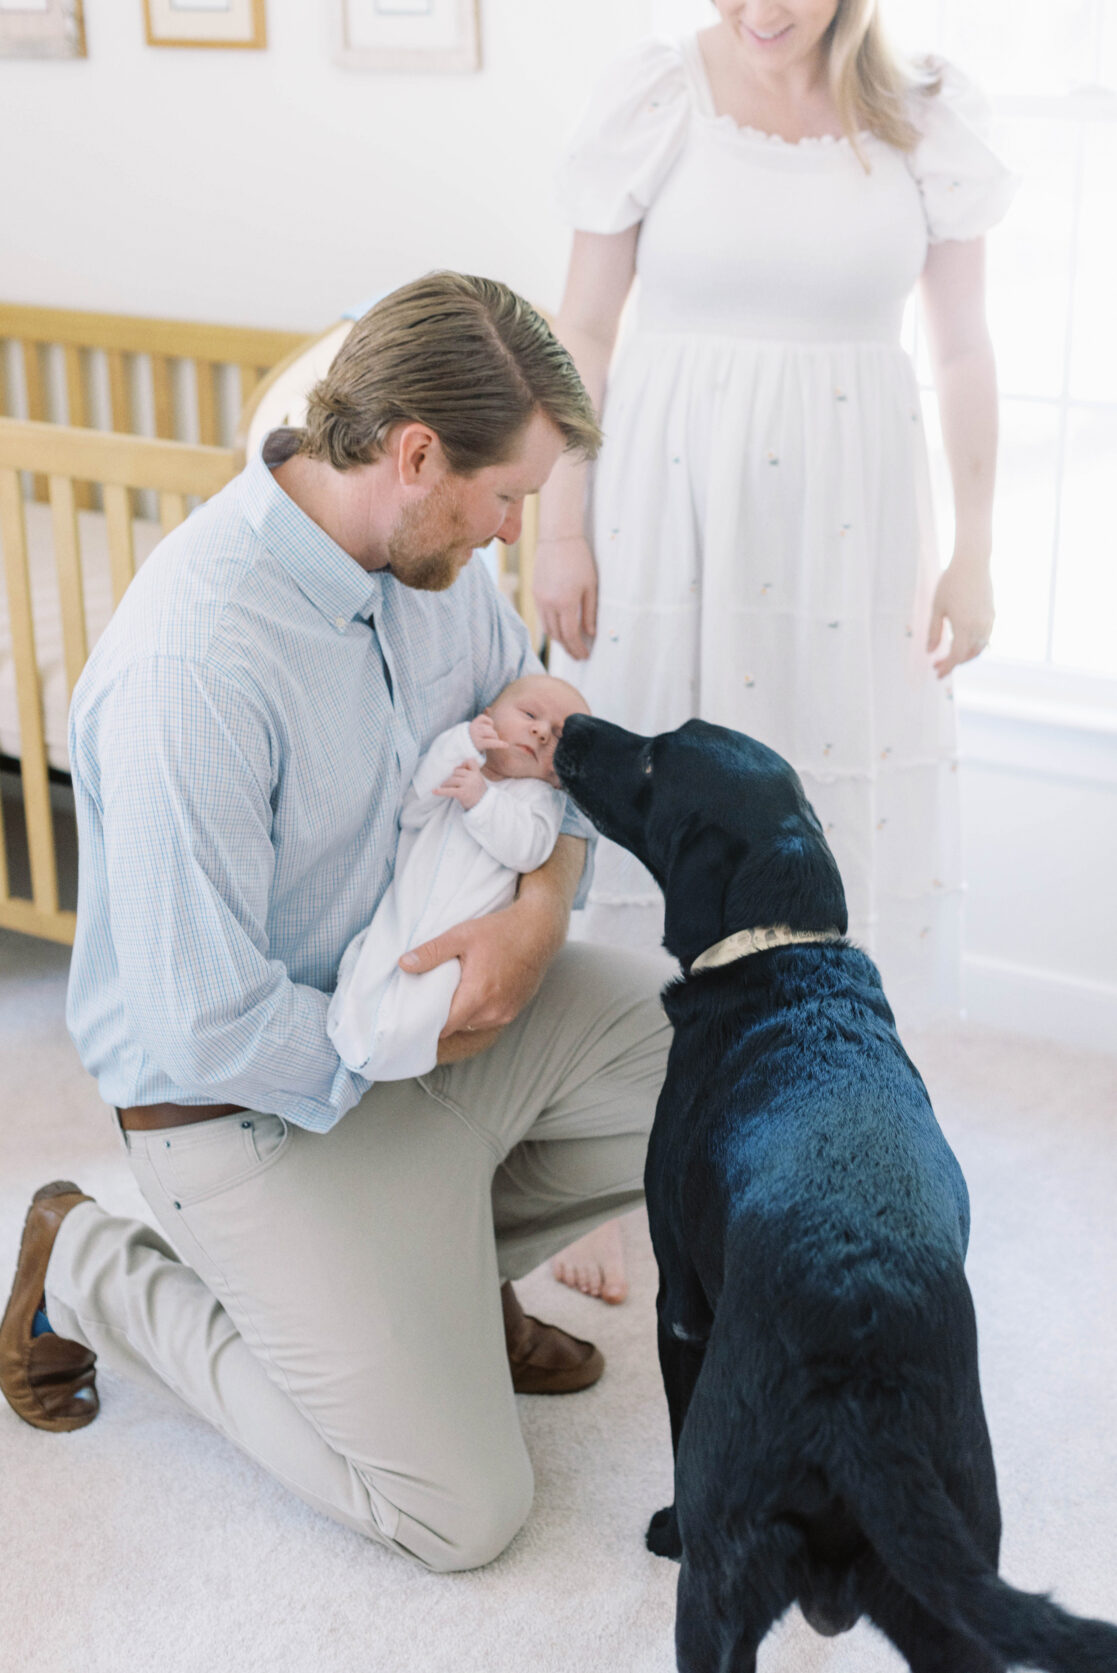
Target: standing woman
[[761, 549]]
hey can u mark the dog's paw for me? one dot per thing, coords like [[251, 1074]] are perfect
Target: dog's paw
[[663, 1534]]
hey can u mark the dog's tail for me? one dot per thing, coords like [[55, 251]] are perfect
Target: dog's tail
[[920, 1536]]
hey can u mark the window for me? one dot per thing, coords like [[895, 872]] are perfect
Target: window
[[1053, 313]]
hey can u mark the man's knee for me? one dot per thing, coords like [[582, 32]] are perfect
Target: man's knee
[[482, 1529], [471, 1523]]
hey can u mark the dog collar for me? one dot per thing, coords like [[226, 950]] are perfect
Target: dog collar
[[747, 941]]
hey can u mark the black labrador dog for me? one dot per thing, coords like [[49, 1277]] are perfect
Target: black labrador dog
[[816, 1332]]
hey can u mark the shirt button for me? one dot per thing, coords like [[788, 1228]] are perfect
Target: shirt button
[[340, 623]]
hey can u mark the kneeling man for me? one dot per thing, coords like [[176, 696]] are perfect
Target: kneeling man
[[333, 1287]]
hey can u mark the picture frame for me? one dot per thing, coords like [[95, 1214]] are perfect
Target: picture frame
[[42, 29], [206, 23], [408, 37]]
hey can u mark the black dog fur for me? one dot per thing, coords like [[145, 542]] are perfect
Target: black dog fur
[[816, 1332]]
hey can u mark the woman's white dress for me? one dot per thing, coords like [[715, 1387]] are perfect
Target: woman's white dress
[[761, 510]]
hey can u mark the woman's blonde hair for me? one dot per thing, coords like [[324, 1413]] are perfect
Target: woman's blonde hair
[[871, 85], [466, 356]]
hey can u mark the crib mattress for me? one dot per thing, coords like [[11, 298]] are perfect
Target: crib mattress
[[47, 615]]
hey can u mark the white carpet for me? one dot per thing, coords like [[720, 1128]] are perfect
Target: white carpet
[[147, 1544]]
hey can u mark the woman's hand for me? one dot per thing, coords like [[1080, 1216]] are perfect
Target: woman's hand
[[566, 593], [964, 598]]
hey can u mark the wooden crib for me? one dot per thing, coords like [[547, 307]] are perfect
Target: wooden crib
[[111, 429]]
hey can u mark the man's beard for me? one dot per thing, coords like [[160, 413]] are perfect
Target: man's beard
[[410, 556]]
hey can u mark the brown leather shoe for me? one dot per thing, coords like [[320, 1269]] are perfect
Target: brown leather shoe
[[46, 1380], [543, 1358]]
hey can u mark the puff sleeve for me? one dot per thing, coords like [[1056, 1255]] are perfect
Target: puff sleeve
[[627, 140], [965, 187]]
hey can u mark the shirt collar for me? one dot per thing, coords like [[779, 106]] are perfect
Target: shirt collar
[[334, 582]]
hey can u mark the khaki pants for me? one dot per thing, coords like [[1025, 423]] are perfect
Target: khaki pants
[[333, 1305]]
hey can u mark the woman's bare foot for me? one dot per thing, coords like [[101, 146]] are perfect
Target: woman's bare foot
[[595, 1264]]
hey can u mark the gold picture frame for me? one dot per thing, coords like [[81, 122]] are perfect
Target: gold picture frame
[[205, 23], [42, 29], [407, 37]]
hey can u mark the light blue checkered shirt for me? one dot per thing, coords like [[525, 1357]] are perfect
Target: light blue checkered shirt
[[240, 742]]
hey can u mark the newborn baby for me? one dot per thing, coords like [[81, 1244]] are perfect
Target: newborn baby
[[484, 806]]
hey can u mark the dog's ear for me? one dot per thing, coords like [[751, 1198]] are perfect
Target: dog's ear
[[794, 880], [694, 891]]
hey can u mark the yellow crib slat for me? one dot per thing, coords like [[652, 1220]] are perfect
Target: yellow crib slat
[[77, 409], [122, 553], [5, 885], [120, 392], [33, 381], [231, 344], [103, 457], [164, 396], [67, 557], [29, 919], [36, 402], [32, 743], [204, 374], [75, 386], [172, 511]]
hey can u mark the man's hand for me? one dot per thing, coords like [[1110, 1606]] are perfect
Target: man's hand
[[483, 733], [466, 785], [503, 956]]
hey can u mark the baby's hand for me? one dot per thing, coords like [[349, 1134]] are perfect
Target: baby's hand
[[465, 784], [484, 734]]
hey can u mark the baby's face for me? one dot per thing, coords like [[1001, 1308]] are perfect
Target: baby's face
[[529, 716]]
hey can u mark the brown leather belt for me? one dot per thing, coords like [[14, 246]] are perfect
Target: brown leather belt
[[149, 1118]]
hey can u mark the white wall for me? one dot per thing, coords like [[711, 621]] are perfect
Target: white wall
[[1039, 798], [275, 188]]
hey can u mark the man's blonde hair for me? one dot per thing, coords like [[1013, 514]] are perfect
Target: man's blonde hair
[[464, 355]]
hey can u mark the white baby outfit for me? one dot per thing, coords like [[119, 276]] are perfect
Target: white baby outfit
[[761, 510], [451, 864]]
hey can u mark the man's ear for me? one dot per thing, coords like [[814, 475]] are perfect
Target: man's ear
[[699, 873], [420, 460]]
